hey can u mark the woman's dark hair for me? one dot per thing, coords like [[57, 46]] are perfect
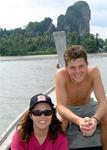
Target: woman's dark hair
[[55, 127], [25, 126]]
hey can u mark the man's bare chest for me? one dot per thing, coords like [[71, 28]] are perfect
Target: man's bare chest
[[79, 93]]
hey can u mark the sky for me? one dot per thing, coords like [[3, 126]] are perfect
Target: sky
[[18, 13]]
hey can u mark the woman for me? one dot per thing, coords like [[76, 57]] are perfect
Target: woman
[[39, 128]]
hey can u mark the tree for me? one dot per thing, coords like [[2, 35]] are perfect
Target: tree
[[89, 42]]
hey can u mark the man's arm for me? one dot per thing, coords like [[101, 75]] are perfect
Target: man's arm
[[61, 97], [99, 93], [102, 104]]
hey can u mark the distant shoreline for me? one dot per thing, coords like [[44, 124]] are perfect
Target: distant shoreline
[[32, 57], [28, 57], [97, 54]]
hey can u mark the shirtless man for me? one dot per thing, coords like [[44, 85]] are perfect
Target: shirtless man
[[74, 85]]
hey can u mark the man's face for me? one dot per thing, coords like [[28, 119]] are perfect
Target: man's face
[[77, 69]]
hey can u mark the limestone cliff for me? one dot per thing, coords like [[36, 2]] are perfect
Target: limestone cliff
[[76, 19]]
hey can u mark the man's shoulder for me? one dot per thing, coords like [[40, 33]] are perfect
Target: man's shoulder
[[92, 69], [62, 72]]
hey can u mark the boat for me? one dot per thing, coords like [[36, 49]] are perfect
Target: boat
[[78, 143]]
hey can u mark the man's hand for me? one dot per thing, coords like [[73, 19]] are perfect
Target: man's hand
[[88, 126]]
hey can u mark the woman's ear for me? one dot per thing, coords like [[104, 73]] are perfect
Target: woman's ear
[[30, 115]]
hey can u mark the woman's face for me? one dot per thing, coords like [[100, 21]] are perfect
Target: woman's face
[[41, 116]]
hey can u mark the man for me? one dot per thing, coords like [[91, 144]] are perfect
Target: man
[[74, 85]]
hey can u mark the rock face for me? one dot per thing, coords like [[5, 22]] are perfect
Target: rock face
[[76, 19]]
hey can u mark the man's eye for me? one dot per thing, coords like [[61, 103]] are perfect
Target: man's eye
[[81, 66], [72, 68]]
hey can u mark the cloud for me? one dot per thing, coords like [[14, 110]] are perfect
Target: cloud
[[99, 18], [102, 31], [18, 13], [13, 13], [98, 12]]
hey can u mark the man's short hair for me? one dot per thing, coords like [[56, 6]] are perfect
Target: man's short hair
[[74, 52]]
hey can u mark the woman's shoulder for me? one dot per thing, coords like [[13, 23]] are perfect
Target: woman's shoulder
[[17, 137], [17, 141], [17, 134]]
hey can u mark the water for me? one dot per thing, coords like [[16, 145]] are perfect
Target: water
[[22, 77], [101, 62]]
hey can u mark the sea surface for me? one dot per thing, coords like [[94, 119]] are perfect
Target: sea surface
[[24, 76]]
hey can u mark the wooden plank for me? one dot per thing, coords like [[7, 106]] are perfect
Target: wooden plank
[[60, 43]]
